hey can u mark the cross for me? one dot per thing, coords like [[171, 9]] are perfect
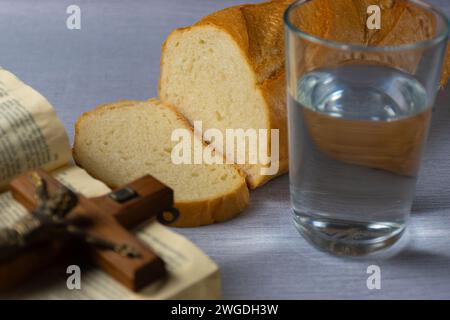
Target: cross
[[101, 223]]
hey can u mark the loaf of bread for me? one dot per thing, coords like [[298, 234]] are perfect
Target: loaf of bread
[[227, 70], [122, 141]]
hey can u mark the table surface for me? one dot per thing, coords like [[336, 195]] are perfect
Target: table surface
[[116, 55]]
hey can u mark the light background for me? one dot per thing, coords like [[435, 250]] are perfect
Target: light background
[[116, 56]]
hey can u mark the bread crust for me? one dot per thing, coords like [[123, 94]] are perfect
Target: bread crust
[[192, 213]]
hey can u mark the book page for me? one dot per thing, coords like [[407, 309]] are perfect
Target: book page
[[191, 274], [31, 135]]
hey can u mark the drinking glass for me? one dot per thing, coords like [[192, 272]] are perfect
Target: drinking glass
[[359, 108]]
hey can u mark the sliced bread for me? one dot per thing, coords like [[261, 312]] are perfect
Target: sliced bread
[[122, 141]]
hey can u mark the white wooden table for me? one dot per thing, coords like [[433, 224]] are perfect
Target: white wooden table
[[115, 56]]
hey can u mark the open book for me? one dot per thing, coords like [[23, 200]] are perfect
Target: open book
[[31, 136]]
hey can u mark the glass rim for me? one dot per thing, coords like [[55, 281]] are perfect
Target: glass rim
[[443, 35]]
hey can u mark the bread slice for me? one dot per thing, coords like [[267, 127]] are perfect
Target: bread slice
[[228, 71], [122, 141]]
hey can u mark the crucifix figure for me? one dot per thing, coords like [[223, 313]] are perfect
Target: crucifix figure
[[59, 217]]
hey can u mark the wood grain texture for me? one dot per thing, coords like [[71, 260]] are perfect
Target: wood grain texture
[[116, 56]]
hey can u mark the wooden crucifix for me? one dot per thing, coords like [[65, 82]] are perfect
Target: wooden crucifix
[[104, 223]]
